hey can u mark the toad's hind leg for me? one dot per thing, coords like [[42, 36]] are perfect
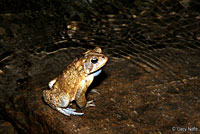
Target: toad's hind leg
[[56, 99], [59, 101]]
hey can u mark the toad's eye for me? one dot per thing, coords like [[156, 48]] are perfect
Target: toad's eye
[[94, 60]]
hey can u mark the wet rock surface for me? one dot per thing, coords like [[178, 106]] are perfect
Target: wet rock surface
[[151, 83]]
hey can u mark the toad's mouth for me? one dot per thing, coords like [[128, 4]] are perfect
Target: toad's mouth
[[96, 73]]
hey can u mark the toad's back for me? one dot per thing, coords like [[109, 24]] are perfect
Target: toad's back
[[69, 80]]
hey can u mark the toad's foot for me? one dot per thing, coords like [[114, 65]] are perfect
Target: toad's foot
[[52, 82], [68, 111], [94, 91], [90, 104]]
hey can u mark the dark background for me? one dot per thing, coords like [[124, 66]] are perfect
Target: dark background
[[150, 84]]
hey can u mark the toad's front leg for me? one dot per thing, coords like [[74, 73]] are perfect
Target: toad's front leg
[[82, 88], [59, 101]]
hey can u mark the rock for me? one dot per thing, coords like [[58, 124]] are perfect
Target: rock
[[6, 128]]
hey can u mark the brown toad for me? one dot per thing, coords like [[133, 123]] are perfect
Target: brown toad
[[72, 84]]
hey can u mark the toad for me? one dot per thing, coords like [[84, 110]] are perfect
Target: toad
[[72, 84]]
